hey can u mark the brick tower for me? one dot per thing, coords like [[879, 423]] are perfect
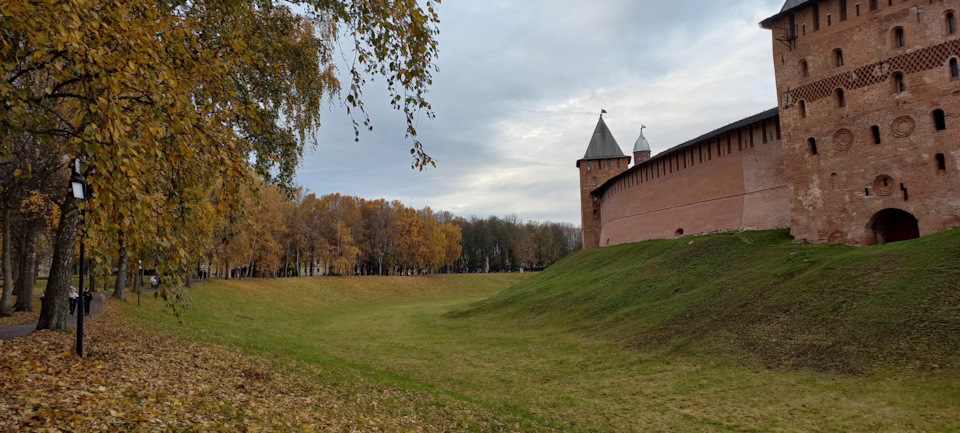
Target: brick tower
[[869, 98], [603, 160], [641, 149]]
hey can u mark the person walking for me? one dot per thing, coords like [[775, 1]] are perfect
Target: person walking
[[87, 299], [74, 296]]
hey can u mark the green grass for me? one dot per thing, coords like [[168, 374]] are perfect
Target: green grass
[[734, 332]]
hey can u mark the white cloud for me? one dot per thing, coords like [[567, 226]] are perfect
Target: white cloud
[[521, 85]]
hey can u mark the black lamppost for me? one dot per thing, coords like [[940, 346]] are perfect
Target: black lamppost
[[78, 183], [139, 282]]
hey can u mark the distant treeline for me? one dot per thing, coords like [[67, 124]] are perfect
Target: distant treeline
[[300, 234], [344, 235], [508, 244]]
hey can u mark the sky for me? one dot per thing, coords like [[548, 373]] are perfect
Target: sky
[[519, 91]]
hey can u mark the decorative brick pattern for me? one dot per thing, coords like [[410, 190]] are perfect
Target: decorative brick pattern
[[883, 185], [843, 139], [909, 63], [903, 126]]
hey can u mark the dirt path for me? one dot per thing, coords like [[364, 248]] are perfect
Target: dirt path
[[14, 331]]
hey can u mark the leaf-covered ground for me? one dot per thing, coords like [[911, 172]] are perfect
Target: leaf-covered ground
[[131, 381], [20, 317]]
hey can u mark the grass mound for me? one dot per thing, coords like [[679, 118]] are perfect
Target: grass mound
[[757, 297]]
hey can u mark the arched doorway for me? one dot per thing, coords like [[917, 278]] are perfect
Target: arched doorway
[[894, 225]]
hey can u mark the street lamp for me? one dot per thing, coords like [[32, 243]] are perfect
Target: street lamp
[[139, 281], [78, 183]]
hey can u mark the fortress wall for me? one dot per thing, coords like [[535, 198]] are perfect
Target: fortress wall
[[766, 199], [729, 181], [880, 131]]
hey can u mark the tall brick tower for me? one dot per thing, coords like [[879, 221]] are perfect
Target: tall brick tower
[[869, 98], [603, 160]]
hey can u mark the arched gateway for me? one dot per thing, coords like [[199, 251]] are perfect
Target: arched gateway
[[893, 225]]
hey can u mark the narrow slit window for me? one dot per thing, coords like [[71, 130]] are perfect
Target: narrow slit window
[[939, 120], [838, 57], [951, 23], [840, 99], [954, 68], [873, 5], [803, 109], [804, 69], [816, 17], [812, 142], [876, 134], [898, 84], [843, 10], [898, 38], [858, 9], [941, 162]]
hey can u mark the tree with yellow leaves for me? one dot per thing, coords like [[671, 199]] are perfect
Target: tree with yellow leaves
[[162, 100]]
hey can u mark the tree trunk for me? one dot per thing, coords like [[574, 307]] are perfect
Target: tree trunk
[[6, 306], [119, 289], [28, 270], [53, 308]]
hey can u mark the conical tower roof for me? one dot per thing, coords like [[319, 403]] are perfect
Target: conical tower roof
[[642, 144], [602, 145]]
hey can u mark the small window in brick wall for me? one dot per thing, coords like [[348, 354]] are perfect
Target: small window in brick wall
[[812, 142], [804, 69], [876, 134], [898, 38], [838, 57], [839, 98], [954, 69], [898, 84], [803, 109], [873, 5], [941, 162], [950, 22], [939, 120]]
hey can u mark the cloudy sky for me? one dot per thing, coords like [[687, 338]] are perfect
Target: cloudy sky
[[519, 90]]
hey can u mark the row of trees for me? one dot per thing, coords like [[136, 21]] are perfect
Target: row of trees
[[344, 235], [277, 235], [332, 235], [170, 105]]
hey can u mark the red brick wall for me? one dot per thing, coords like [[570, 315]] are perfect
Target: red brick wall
[[834, 194], [729, 182]]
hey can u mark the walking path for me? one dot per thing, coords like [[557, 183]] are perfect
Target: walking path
[[14, 331]]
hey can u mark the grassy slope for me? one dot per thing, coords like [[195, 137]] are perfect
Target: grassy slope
[[625, 338], [758, 297]]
